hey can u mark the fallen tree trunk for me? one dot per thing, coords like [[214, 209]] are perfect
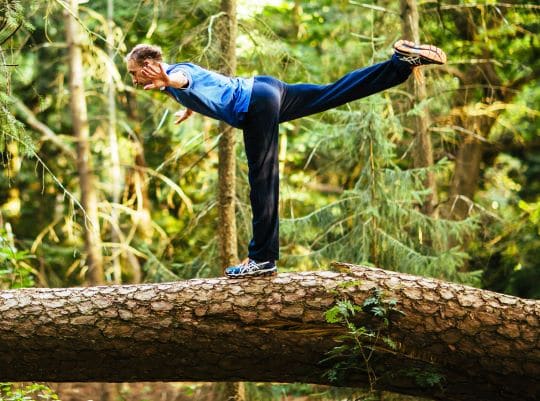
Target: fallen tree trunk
[[453, 342]]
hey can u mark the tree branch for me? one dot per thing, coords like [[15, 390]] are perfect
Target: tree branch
[[48, 134]]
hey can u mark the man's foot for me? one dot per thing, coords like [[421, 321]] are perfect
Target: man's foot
[[417, 55], [250, 268]]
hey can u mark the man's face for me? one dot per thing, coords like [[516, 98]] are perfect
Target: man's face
[[135, 70]]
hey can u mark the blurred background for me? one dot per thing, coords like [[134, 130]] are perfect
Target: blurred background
[[436, 177]]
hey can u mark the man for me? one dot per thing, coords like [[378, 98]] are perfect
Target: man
[[257, 106]]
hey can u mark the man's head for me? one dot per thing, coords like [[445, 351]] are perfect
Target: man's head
[[139, 57]]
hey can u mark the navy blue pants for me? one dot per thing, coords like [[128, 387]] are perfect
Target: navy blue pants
[[272, 102]]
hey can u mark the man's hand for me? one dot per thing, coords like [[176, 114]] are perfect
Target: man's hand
[[182, 115], [155, 73]]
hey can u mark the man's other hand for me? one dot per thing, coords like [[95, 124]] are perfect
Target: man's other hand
[[182, 115]]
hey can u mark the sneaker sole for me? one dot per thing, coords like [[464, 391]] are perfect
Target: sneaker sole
[[272, 272], [428, 52]]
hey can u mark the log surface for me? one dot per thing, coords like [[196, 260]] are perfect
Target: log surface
[[484, 345]]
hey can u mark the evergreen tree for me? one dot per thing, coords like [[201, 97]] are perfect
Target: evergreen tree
[[11, 130], [378, 220]]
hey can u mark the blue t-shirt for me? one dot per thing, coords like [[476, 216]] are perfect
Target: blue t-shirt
[[212, 94]]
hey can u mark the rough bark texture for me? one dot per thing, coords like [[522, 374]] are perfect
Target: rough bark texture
[[94, 257], [484, 345], [228, 249], [423, 150]]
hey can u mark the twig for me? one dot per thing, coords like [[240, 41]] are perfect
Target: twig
[[56, 180], [479, 5], [12, 33], [31, 119], [210, 24], [373, 7]]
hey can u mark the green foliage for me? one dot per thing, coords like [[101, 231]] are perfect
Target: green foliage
[[425, 378], [11, 20], [358, 344], [362, 149], [355, 352], [30, 392], [377, 220], [12, 131], [381, 308], [341, 311], [361, 152], [15, 272]]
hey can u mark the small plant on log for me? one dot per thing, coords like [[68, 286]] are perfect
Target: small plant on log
[[15, 392], [358, 344]]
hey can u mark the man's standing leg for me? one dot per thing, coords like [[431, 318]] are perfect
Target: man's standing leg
[[261, 134]]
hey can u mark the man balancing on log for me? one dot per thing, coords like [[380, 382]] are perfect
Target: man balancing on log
[[257, 106]]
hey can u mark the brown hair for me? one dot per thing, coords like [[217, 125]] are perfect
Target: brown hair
[[143, 52]]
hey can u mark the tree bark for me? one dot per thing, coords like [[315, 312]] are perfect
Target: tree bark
[[94, 257], [228, 249], [484, 345], [423, 149], [116, 179]]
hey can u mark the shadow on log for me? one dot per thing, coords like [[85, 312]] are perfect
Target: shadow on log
[[481, 345]]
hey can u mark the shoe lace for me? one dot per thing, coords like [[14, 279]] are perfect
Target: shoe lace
[[414, 60], [249, 265]]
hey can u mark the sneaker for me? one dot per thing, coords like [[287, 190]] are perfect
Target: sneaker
[[417, 55], [250, 268]]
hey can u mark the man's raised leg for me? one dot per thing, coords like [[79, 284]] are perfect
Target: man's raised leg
[[305, 99]]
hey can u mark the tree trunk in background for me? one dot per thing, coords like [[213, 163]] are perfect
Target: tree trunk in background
[[230, 391], [89, 200], [94, 257], [227, 237], [423, 150], [110, 391], [476, 124], [466, 173], [116, 172], [479, 344], [297, 18], [472, 114], [136, 187], [228, 249]]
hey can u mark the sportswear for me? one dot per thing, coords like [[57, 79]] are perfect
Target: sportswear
[[212, 94], [250, 268]]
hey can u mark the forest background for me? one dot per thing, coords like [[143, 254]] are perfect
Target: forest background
[[358, 184]]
